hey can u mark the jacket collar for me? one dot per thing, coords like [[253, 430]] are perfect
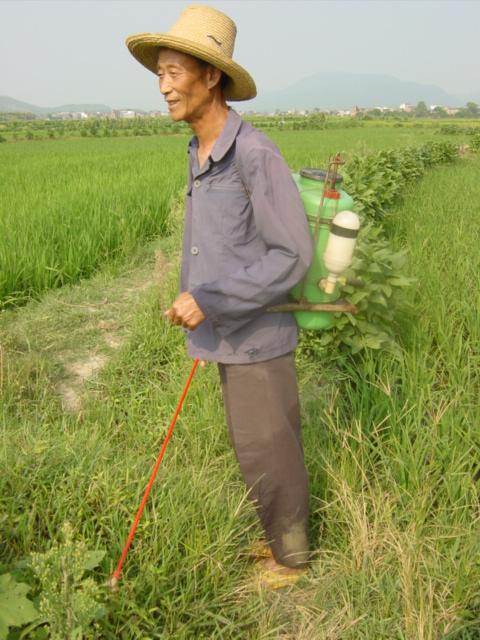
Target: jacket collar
[[228, 135], [225, 139]]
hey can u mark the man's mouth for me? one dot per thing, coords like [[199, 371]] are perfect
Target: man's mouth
[[172, 103]]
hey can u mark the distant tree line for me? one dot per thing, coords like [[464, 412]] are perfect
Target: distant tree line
[[25, 128], [471, 110]]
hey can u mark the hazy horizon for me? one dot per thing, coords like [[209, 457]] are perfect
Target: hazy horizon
[[74, 52]]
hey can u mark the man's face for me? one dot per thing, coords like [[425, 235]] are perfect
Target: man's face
[[184, 83]]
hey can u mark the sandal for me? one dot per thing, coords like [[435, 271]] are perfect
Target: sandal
[[259, 550], [271, 579]]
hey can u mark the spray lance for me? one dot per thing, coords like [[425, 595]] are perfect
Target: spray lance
[[113, 582]]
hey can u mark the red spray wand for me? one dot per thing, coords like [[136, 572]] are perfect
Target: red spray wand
[[113, 582]]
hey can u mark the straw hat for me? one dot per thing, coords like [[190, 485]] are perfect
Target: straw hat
[[202, 32]]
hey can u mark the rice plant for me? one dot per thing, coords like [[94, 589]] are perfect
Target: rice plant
[[70, 207]]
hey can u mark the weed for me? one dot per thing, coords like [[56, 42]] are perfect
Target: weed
[[69, 602]]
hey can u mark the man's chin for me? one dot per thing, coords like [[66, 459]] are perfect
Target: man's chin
[[175, 112]]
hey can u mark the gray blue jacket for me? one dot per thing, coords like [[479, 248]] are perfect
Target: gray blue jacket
[[246, 244]]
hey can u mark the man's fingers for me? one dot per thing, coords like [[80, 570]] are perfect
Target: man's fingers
[[185, 312], [175, 318], [171, 314]]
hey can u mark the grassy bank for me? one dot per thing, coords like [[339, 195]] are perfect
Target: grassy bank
[[392, 450], [401, 515]]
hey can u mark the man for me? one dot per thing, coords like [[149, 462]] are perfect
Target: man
[[246, 244]]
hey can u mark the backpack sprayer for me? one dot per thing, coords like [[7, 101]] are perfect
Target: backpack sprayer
[[334, 228]]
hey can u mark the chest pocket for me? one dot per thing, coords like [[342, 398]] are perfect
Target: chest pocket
[[231, 209]]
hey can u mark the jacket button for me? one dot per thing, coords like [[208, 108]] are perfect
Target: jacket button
[[194, 251], [197, 183]]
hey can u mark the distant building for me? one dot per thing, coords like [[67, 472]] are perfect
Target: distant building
[[77, 115], [126, 113], [450, 111], [407, 108], [67, 115], [356, 109]]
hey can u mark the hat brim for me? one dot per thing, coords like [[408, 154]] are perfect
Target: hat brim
[[144, 48]]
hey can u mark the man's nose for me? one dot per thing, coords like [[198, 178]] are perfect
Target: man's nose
[[164, 85]]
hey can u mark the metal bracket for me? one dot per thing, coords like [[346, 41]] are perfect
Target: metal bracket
[[339, 306]]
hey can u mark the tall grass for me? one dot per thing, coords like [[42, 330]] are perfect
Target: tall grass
[[67, 208], [401, 514]]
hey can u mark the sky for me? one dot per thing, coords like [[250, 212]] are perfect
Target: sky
[[73, 51]]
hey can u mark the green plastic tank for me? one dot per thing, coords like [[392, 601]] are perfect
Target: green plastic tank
[[310, 183]]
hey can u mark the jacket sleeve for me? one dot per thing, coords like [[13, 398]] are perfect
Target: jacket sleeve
[[232, 301]]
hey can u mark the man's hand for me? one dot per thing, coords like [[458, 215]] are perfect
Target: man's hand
[[185, 312]]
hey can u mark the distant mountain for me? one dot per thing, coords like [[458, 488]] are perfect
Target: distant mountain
[[330, 90], [324, 90], [11, 105]]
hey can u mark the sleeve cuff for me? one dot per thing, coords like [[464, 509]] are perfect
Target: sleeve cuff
[[223, 326]]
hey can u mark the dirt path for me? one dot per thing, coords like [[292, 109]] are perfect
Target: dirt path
[[73, 332], [110, 318]]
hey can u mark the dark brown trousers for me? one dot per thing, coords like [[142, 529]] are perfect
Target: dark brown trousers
[[263, 417]]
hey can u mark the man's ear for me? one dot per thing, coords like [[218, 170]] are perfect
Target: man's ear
[[214, 76]]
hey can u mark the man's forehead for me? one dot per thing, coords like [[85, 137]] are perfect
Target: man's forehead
[[170, 56]]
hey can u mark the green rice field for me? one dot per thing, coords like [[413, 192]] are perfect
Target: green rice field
[[392, 439], [71, 206]]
